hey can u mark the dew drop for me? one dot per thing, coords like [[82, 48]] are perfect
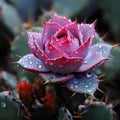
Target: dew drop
[[39, 66], [88, 74], [76, 52], [100, 46], [85, 61], [3, 104], [76, 86], [30, 62], [29, 57], [86, 86]]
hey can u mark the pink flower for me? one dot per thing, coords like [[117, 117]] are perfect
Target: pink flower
[[64, 47]]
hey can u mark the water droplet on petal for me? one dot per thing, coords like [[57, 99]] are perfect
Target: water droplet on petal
[[3, 104], [88, 74], [30, 62], [39, 66], [76, 86], [86, 86]]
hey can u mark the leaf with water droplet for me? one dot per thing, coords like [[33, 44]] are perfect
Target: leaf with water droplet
[[9, 107], [30, 62], [97, 112], [83, 83]]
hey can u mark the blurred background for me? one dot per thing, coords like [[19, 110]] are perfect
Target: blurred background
[[29, 14]]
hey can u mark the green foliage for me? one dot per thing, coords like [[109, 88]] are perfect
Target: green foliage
[[69, 8], [97, 111], [9, 108], [111, 13], [10, 17]]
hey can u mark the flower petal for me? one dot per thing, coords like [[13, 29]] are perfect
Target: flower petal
[[74, 29], [92, 61], [82, 51], [51, 51], [59, 19], [68, 46], [52, 77], [83, 83], [30, 62], [87, 31], [49, 29], [64, 65], [39, 52], [105, 49], [31, 37]]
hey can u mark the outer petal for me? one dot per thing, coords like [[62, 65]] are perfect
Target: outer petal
[[82, 51], [30, 62], [59, 19], [83, 83], [51, 51], [52, 77], [104, 48], [92, 61], [31, 37], [39, 52], [49, 30], [87, 31], [64, 65]]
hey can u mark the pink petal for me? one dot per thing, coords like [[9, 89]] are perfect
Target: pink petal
[[64, 65], [49, 30], [52, 77], [59, 19], [51, 51], [82, 51], [87, 31], [39, 52], [68, 46], [31, 37], [92, 61], [30, 62], [74, 29]]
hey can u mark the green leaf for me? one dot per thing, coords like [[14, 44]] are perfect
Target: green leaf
[[111, 13], [97, 112], [10, 17], [69, 8], [20, 47], [9, 108]]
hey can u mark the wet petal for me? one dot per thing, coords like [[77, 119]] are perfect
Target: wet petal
[[68, 46], [52, 77], [31, 37], [30, 62], [64, 65], [59, 19], [82, 51], [83, 83], [39, 52], [51, 51], [49, 30], [105, 49], [74, 29], [92, 61], [87, 30]]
